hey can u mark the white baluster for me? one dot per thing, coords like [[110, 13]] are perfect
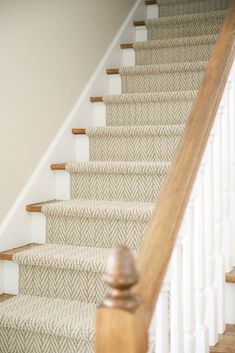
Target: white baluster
[[176, 304], [218, 196], [232, 156], [211, 304], [226, 180], [162, 342], [188, 281], [199, 265], [218, 177]]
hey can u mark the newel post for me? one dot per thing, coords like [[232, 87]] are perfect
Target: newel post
[[119, 323]]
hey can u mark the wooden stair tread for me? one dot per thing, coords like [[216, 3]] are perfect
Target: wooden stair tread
[[8, 254], [112, 71], [96, 99], [221, 349], [127, 46], [37, 207], [226, 342], [4, 297], [78, 131], [230, 276], [150, 2], [139, 23], [58, 166], [230, 329]]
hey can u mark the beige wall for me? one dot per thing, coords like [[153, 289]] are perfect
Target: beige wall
[[48, 51]]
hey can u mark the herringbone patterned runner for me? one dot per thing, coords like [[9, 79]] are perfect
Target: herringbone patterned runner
[[161, 108], [103, 224], [161, 78], [114, 194], [173, 7]]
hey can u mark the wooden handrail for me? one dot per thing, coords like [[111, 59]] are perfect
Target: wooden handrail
[[117, 329], [162, 233]]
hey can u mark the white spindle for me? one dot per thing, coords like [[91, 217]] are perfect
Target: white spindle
[[218, 196], [211, 307], [176, 303], [188, 282], [226, 179], [162, 342], [199, 264], [232, 156]]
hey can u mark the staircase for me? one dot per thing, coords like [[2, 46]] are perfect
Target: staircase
[[113, 198]]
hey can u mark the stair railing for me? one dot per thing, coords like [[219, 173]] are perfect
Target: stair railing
[[187, 247]]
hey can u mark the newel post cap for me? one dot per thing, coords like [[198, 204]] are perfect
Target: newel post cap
[[121, 275]]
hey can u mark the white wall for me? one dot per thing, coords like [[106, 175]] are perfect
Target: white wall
[[48, 51]]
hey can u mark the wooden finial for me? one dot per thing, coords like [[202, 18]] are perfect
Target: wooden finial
[[121, 275]]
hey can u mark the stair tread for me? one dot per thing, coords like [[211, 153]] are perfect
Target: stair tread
[[36, 207], [177, 42], [57, 317], [188, 18], [172, 42], [150, 2], [8, 254], [149, 97], [118, 167], [101, 209], [160, 68], [69, 257], [190, 6], [58, 166], [230, 277], [113, 167], [144, 97], [136, 130]]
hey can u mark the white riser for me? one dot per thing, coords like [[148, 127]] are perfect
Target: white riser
[[82, 148], [152, 11], [99, 114], [10, 279], [229, 303], [62, 184], [128, 57], [38, 227], [115, 84], [140, 34]]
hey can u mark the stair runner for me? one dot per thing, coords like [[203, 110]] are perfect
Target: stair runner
[[114, 194]]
